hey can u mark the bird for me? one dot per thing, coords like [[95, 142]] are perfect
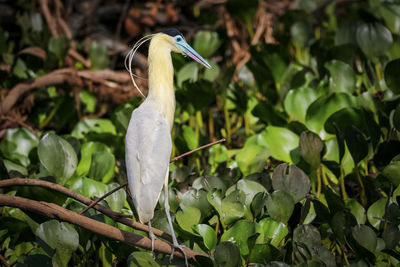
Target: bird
[[148, 138]]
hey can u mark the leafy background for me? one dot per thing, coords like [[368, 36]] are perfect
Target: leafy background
[[308, 103]]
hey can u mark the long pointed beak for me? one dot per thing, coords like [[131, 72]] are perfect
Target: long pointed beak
[[188, 50]]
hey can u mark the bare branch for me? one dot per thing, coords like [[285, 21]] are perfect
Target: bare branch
[[94, 203], [54, 211], [118, 217], [197, 149]]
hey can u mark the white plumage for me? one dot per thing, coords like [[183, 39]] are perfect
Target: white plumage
[[148, 150]]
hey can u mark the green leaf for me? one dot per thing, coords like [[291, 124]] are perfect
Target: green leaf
[[98, 56], [249, 188], [197, 199], [227, 254], [342, 76], [206, 43], [20, 69], [208, 183], [188, 217], [102, 167], [279, 141], [374, 39], [356, 143], [93, 125], [311, 147], [190, 137], [117, 199], [88, 187], [59, 46], [271, 231], [233, 207], [320, 110], [16, 145], [258, 204], [239, 233], [89, 100], [365, 236], [262, 253], [341, 224], [212, 73], [297, 102], [356, 209], [391, 14], [280, 206], [392, 172], [140, 259], [299, 33], [343, 119], [208, 234], [58, 157], [308, 235], [376, 212], [392, 78], [214, 197], [396, 118], [60, 240], [87, 151], [252, 157], [291, 180], [189, 72], [391, 236]]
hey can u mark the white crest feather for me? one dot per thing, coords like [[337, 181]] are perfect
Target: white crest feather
[[129, 59]]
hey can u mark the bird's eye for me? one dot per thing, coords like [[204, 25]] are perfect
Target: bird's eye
[[178, 39]]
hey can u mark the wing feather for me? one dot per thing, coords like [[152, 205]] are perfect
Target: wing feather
[[148, 150]]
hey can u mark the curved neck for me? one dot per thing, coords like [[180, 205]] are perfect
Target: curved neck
[[161, 77]]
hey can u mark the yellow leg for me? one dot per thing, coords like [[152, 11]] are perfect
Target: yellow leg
[[174, 240]]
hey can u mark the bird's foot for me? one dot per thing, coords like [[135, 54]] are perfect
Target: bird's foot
[[181, 248], [152, 237]]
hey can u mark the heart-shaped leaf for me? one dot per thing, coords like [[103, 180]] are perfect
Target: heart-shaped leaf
[[271, 231], [227, 254], [102, 166], [280, 206], [117, 199], [342, 76], [311, 147], [291, 180], [57, 156], [365, 236], [376, 212], [392, 78], [208, 234], [187, 218], [239, 233], [374, 39]]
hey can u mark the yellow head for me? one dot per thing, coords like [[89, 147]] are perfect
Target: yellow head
[[178, 44]]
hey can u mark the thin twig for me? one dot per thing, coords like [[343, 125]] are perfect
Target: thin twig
[[94, 203], [197, 149], [4, 261]]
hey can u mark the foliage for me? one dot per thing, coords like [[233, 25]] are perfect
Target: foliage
[[310, 172]]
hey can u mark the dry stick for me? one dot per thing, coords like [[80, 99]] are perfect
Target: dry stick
[[4, 261], [197, 149], [172, 160], [103, 197], [54, 211]]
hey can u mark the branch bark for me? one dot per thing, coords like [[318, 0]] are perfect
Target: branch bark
[[54, 211], [119, 217], [67, 75]]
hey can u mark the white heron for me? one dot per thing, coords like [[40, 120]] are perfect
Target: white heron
[[148, 138]]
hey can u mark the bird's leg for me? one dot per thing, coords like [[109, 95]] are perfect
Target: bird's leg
[[174, 240], [152, 237]]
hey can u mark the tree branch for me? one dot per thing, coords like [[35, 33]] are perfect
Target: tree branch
[[116, 216], [54, 211], [197, 149]]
